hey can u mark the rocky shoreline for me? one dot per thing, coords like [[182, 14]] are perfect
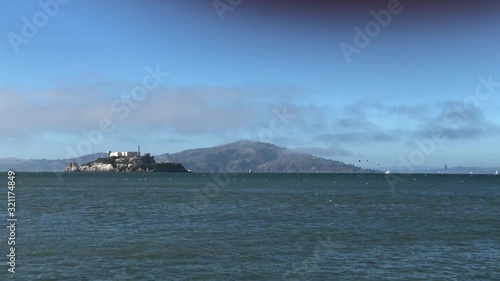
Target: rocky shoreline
[[144, 163]]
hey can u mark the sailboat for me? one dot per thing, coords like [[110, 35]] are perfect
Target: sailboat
[[496, 173], [387, 172]]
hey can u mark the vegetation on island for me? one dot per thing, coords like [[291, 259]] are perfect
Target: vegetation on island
[[144, 163]]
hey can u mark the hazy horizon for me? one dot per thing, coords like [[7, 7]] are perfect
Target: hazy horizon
[[402, 167], [384, 81]]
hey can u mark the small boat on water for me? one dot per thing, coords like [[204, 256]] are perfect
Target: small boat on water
[[496, 173], [388, 172]]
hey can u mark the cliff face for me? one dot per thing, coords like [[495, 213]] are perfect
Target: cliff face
[[127, 164], [96, 167]]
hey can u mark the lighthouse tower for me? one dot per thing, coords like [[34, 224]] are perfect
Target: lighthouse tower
[[139, 150]]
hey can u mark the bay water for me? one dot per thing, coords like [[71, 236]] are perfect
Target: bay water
[[193, 226]]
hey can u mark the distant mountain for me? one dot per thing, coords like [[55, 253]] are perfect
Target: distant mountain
[[243, 156], [462, 170], [44, 165], [236, 157], [449, 170]]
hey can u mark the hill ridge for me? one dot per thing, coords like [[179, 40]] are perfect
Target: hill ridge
[[239, 156], [242, 156]]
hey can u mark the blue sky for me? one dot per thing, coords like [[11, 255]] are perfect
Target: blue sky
[[235, 78]]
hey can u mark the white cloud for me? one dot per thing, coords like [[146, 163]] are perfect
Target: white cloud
[[187, 117]]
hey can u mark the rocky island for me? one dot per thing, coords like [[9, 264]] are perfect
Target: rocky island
[[236, 157], [126, 162]]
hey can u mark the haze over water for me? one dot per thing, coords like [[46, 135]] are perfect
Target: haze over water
[[257, 227]]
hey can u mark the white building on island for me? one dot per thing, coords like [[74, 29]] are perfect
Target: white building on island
[[124, 153]]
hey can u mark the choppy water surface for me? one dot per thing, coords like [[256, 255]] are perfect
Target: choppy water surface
[[254, 227]]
